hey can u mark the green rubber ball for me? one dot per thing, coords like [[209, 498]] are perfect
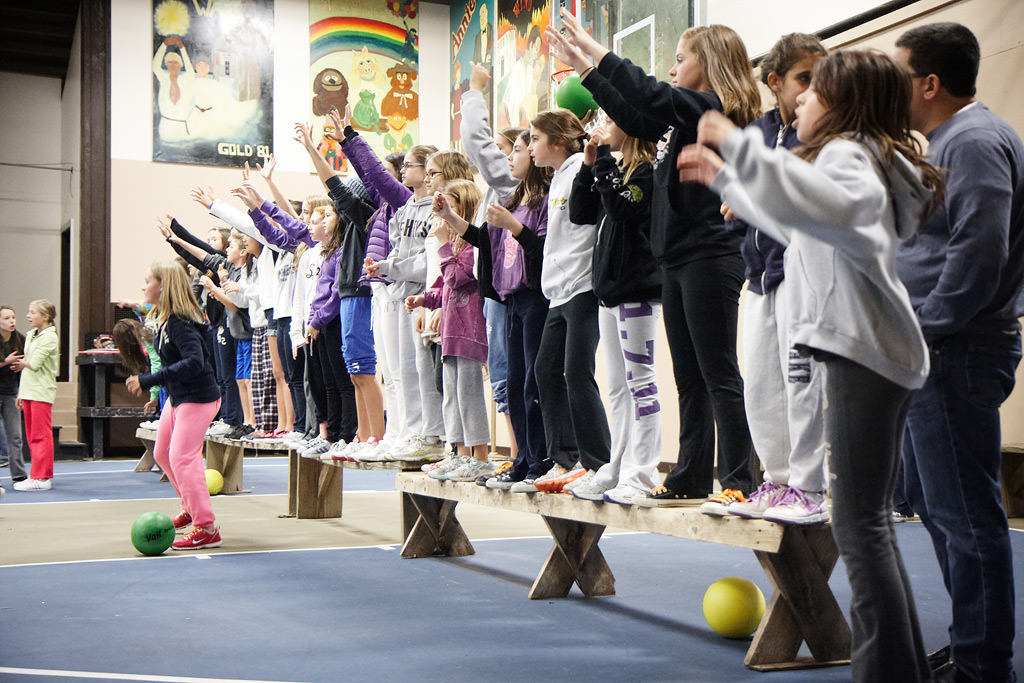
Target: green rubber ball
[[574, 96], [152, 533]]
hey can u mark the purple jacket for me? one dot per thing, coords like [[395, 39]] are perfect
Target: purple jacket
[[384, 190], [283, 239], [295, 231], [463, 329], [326, 304]]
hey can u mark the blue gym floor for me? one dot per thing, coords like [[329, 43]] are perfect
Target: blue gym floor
[[365, 614]]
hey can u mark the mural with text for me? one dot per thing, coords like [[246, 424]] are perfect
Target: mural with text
[[213, 81], [472, 42]]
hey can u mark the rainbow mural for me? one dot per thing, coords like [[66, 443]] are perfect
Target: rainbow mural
[[336, 34]]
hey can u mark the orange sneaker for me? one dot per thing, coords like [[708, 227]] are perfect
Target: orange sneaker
[[718, 504], [557, 477]]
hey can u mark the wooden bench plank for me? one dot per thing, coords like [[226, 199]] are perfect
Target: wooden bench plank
[[689, 523]]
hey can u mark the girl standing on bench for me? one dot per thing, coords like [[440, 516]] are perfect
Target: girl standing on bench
[[857, 186], [186, 372]]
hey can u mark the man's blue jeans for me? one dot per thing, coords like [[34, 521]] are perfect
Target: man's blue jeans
[[951, 459]]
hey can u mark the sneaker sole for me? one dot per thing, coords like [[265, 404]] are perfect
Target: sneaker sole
[[801, 521], [215, 544]]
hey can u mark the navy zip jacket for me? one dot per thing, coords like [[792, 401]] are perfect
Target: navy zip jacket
[[187, 366], [761, 254], [354, 215], [686, 222], [624, 270]]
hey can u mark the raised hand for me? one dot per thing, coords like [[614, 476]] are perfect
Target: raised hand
[[597, 139], [242, 193], [567, 51], [267, 170], [164, 225], [206, 197], [479, 77], [698, 164], [302, 135]]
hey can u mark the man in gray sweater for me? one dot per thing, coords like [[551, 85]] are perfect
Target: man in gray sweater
[[963, 270]]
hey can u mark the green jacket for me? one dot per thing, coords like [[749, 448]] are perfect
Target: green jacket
[[39, 382]]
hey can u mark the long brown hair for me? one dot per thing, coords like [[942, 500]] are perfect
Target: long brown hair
[[176, 296], [723, 59], [533, 188], [562, 128], [467, 198], [867, 96]]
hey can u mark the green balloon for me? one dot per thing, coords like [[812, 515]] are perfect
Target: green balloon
[[152, 533], [575, 97]]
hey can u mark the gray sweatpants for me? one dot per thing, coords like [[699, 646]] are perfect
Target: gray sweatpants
[[464, 405]]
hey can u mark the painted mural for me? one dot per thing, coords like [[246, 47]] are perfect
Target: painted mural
[[522, 67], [213, 81], [364, 53], [472, 42]]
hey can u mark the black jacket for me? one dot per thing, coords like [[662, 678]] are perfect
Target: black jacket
[[186, 371], [686, 222], [624, 269], [354, 215]]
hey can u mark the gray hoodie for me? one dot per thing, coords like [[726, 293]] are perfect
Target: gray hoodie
[[406, 265], [841, 217]]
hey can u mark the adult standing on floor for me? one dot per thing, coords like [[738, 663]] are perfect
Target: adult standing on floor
[[193, 399], [964, 270], [12, 348]]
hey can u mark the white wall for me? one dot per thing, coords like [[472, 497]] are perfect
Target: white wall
[[30, 199], [761, 23]]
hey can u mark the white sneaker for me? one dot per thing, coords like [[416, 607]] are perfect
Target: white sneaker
[[422, 448], [335, 450], [315, 448], [149, 424], [798, 507], [757, 502], [2, 492], [471, 470], [219, 428], [431, 466], [625, 495], [582, 481], [527, 485], [588, 490], [33, 485], [369, 451], [450, 466]]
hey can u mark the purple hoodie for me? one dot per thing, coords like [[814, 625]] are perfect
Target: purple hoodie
[[463, 329], [384, 190]]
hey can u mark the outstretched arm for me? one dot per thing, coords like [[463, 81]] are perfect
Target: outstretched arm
[[305, 138], [267, 171]]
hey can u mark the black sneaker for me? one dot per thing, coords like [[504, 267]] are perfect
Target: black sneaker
[[503, 480], [240, 431]]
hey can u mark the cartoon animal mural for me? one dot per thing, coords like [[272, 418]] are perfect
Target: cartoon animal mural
[[330, 89], [401, 99]]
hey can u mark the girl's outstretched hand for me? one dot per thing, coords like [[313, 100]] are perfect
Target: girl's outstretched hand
[[713, 128], [576, 36], [267, 169], [500, 217], [698, 164], [567, 51], [240, 193], [164, 226], [206, 197], [302, 135], [478, 77]]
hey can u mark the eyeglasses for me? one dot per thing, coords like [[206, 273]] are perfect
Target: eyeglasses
[[410, 165], [431, 174]]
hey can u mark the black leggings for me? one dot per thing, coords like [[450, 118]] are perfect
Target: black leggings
[[700, 303], [332, 387]]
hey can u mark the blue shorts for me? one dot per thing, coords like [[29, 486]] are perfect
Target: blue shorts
[[243, 359], [357, 336]]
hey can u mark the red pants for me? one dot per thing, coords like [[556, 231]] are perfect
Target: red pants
[[39, 432]]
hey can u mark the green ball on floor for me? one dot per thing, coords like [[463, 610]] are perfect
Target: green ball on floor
[[733, 607], [214, 481], [152, 533]]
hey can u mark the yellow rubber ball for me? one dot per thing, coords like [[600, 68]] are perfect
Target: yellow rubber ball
[[214, 481], [733, 607]]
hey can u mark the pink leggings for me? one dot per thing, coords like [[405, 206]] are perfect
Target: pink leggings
[[179, 452], [39, 432]]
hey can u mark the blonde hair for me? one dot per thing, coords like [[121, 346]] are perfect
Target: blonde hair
[[176, 296], [316, 200], [562, 128], [639, 152], [452, 164], [46, 308], [723, 59], [467, 198]]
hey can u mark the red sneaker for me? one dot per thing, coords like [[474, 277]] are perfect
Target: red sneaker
[[197, 539], [182, 521]]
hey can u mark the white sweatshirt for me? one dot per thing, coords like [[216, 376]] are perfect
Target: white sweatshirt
[[568, 247]]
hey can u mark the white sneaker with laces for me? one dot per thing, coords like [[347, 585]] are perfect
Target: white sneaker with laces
[[798, 507], [624, 495], [33, 485]]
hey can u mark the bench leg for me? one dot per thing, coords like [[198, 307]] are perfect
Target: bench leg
[[293, 483], [431, 528], [318, 490], [803, 608], [146, 462], [574, 558], [228, 461]]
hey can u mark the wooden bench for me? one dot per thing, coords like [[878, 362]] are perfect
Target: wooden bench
[[315, 486], [797, 560], [224, 455]]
